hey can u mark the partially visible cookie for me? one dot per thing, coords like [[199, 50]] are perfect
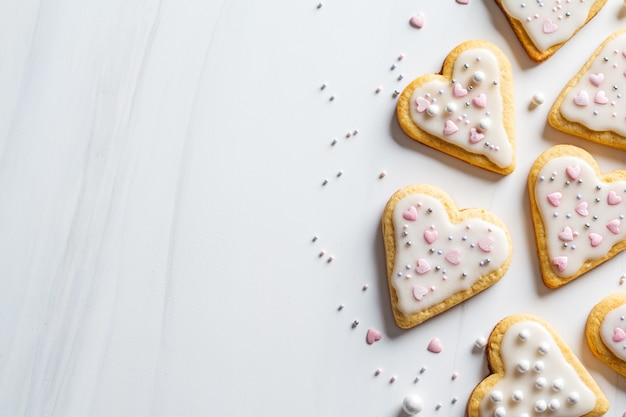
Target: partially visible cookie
[[606, 331], [467, 110], [533, 371], [592, 104], [577, 212], [438, 255], [544, 26]]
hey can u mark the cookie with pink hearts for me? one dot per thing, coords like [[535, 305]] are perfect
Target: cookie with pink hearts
[[577, 212], [437, 255], [544, 26], [534, 372], [606, 331], [466, 110], [593, 103]]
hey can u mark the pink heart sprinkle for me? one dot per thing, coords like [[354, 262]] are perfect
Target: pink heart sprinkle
[[560, 262], [596, 79], [566, 235], [600, 98], [555, 198], [613, 199], [595, 239], [624, 52], [463, 1], [418, 20], [618, 335], [582, 209], [430, 236], [422, 266], [581, 99], [454, 257], [475, 136], [419, 292], [450, 128], [410, 214], [573, 172], [549, 26], [486, 244], [434, 346], [373, 336], [422, 104], [480, 101], [613, 226], [458, 91]]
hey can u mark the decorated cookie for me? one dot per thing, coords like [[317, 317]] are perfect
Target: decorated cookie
[[606, 331], [593, 104], [534, 372], [467, 110], [438, 256], [578, 213], [543, 26]]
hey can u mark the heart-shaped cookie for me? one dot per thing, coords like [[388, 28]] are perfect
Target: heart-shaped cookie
[[534, 372], [467, 110], [442, 257], [544, 26], [578, 213], [606, 331], [592, 105]]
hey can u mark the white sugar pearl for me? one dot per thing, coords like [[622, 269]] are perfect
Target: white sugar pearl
[[451, 107], [484, 124], [524, 335], [480, 342], [500, 412], [540, 383], [557, 384], [554, 404], [544, 348], [517, 396], [538, 366], [538, 99], [496, 397], [478, 76], [432, 110], [540, 406], [573, 397], [412, 404], [523, 366]]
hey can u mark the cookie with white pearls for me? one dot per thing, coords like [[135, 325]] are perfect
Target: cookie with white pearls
[[437, 255], [543, 26], [578, 213], [534, 372], [606, 331], [593, 103], [467, 109]]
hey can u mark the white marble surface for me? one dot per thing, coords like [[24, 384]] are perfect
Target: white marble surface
[[161, 166]]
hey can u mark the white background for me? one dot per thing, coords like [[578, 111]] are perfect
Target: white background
[[161, 169]]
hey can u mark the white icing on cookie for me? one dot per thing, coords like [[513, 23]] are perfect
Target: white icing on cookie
[[598, 101], [537, 378], [435, 258], [613, 331], [583, 216], [549, 22], [467, 111]]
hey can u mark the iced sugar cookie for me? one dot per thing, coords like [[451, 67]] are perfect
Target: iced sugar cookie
[[533, 372], [577, 212], [438, 255], [606, 331], [544, 26], [592, 105], [467, 110]]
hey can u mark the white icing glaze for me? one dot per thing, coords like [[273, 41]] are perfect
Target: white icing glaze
[[534, 391], [468, 111], [426, 273], [597, 100], [613, 331], [549, 22], [582, 220]]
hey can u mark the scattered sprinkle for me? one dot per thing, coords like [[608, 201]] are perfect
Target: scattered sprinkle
[[319, 5], [422, 370], [378, 372], [396, 93], [434, 346], [416, 380], [537, 99], [330, 259], [455, 375], [355, 132], [339, 173], [400, 77], [480, 342], [400, 57], [378, 89], [454, 400], [322, 253], [393, 67], [314, 239], [622, 280], [334, 142], [341, 306], [332, 98], [382, 174], [463, 1], [348, 134], [323, 86], [412, 404], [392, 379], [365, 287], [355, 323], [438, 406]]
